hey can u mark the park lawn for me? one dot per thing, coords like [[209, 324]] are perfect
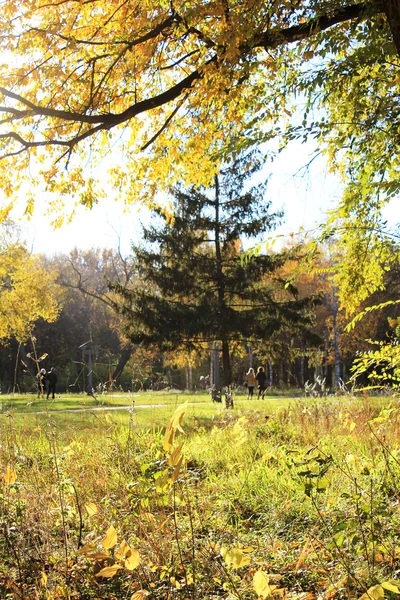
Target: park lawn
[[72, 418], [29, 403]]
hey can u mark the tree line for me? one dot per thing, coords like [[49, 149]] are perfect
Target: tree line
[[189, 290]]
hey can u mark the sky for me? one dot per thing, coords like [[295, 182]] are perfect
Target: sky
[[305, 195]]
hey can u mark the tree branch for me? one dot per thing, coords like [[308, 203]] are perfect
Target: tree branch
[[274, 38], [269, 39]]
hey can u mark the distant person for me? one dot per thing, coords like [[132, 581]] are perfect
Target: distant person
[[251, 382], [262, 382], [41, 377], [52, 379]]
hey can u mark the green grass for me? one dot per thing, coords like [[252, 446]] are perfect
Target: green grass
[[29, 403], [148, 411], [307, 489]]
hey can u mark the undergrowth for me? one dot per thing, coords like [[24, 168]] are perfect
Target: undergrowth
[[301, 502]]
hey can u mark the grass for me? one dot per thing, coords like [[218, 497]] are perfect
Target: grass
[[300, 495], [28, 403]]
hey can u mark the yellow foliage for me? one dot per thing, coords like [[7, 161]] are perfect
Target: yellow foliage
[[235, 557], [27, 292], [132, 560], [174, 425], [10, 476], [175, 456], [110, 539], [109, 571], [91, 508], [261, 585]]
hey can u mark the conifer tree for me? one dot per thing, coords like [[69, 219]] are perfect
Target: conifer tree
[[198, 288]]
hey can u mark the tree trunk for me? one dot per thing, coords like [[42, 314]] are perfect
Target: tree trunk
[[123, 359], [392, 11], [271, 374], [280, 374], [336, 339], [189, 377], [226, 363]]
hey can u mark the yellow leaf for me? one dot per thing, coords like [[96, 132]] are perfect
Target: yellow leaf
[[174, 456], [99, 555], [109, 571], [174, 425], [139, 595], [10, 476], [234, 558], [261, 584], [111, 538], [132, 561], [352, 426], [169, 438], [123, 550], [87, 549], [375, 592], [162, 480], [177, 470], [177, 417], [149, 517], [43, 579], [391, 586], [91, 508]]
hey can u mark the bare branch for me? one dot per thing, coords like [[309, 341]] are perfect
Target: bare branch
[[274, 38], [167, 122], [129, 43]]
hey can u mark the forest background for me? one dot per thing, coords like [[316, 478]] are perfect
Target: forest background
[[302, 104]]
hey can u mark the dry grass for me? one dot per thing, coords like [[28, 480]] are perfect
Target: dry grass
[[305, 490]]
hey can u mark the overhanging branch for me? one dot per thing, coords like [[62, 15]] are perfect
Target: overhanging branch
[[272, 38]]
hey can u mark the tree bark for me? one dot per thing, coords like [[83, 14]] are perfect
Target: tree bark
[[271, 374], [336, 339], [123, 359], [226, 363], [392, 11]]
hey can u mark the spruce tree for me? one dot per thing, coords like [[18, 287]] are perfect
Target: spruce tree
[[197, 286]]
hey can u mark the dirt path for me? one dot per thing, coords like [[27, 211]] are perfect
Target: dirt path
[[106, 408]]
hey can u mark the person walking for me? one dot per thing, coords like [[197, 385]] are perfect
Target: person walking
[[41, 377], [262, 382], [52, 379], [251, 381]]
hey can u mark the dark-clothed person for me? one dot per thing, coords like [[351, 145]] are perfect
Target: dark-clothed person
[[262, 382], [52, 379]]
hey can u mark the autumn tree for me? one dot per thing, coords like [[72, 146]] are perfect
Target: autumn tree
[[87, 274], [164, 82], [198, 288], [27, 290], [28, 295]]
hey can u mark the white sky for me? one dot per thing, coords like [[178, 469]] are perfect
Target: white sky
[[304, 195]]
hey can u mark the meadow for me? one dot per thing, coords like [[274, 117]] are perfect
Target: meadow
[[173, 497]]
